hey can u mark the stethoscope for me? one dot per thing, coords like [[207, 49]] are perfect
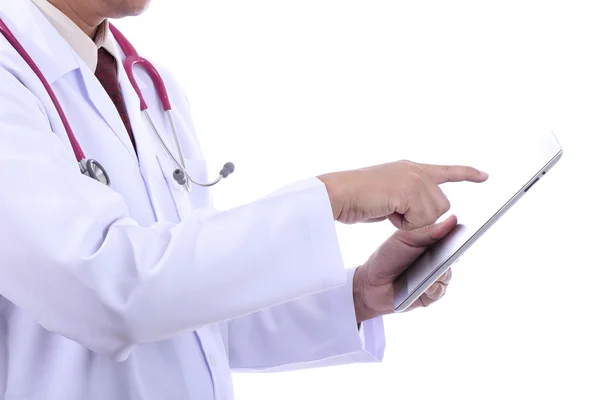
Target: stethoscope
[[93, 168]]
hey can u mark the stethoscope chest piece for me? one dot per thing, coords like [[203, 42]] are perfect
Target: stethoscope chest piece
[[94, 170]]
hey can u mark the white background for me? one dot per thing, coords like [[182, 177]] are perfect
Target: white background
[[290, 89]]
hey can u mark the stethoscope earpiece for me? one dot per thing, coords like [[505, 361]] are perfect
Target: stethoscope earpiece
[[179, 176], [227, 169], [182, 177]]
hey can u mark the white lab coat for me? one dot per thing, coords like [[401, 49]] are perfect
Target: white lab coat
[[140, 291]]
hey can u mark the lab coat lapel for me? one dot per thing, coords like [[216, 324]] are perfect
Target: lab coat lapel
[[55, 58], [101, 101]]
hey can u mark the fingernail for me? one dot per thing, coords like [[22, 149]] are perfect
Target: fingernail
[[484, 174]]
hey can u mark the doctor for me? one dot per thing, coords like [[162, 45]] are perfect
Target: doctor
[[139, 289]]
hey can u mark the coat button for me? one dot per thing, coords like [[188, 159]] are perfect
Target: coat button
[[212, 361]]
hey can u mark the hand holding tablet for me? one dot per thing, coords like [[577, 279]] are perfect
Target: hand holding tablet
[[412, 268]]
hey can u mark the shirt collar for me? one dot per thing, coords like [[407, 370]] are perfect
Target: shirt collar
[[82, 44]]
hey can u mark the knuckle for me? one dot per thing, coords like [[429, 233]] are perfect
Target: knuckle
[[426, 301], [424, 220], [442, 293], [418, 169], [411, 165], [445, 205], [443, 170], [446, 277], [431, 220], [429, 212], [417, 218], [428, 215], [435, 292], [414, 178]]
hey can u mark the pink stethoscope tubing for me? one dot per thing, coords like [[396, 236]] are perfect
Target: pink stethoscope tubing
[[91, 167], [132, 58]]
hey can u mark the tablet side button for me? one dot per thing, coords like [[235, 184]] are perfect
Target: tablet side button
[[533, 183]]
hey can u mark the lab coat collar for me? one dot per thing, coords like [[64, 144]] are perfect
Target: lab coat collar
[[51, 53], [55, 58]]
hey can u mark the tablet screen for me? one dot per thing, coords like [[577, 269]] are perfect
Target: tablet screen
[[502, 189]]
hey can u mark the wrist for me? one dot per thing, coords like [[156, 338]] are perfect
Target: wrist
[[359, 292], [333, 193]]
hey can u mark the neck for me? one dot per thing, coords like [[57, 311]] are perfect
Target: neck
[[81, 14]]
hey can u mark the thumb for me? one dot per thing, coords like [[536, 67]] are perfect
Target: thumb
[[440, 230], [430, 234]]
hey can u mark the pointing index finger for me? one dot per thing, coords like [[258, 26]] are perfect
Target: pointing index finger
[[453, 173]]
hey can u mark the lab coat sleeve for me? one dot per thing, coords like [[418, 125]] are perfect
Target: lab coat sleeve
[[313, 331], [316, 331], [72, 257]]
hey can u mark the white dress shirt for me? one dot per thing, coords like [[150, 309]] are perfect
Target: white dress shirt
[[80, 42]]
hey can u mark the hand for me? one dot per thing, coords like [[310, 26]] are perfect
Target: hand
[[374, 281], [405, 192]]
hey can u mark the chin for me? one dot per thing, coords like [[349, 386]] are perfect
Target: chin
[[128, 8]]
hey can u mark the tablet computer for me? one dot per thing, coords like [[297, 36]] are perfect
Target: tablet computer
[[507, 188]]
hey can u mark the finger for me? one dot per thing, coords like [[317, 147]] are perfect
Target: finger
[[423, 301], [434, 292], [397, 220], [422, 212], [375, 220], [440, 202], [453, 173], [446, 277], [425, 204], [428, 235], [418, 208], [442, 229], [416, 304]]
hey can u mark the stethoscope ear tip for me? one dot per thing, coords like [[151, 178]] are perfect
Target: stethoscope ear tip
[[227, 169], [179, 176]]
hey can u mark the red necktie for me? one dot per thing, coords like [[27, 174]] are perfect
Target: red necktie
[[106, 72]]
